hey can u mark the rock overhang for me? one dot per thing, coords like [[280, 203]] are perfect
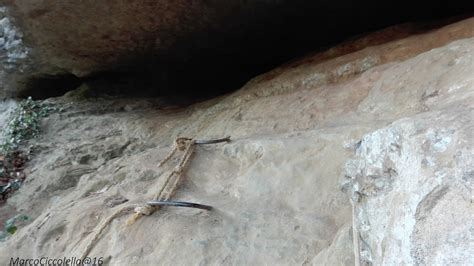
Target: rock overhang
[[181, 46]]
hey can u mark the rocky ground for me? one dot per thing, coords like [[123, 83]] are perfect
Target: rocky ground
[[385, 123]]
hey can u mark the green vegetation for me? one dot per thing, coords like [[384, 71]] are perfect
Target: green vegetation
[[10, 226], [24, 124]]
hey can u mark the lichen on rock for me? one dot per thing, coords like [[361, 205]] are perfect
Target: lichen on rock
[[401, 200], [12, 47]]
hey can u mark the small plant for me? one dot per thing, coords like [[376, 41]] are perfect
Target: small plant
[[10, 226], [24, 124]]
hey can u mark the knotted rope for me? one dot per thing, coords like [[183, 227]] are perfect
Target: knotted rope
[[169, 188], [187, 146]]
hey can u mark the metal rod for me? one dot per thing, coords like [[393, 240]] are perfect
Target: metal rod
[[179, 204], [212, 141]]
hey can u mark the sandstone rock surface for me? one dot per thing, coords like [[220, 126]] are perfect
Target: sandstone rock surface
[[391, 124]]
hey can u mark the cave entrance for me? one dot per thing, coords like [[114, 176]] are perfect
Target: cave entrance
[[212, 63]]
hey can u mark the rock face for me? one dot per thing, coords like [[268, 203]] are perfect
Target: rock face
[[422, 167], [6, 108], [84, 38], [388, 126], [70, 38], [13, 53]]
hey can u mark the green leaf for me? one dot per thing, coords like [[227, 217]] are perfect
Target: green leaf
[[12, 229]]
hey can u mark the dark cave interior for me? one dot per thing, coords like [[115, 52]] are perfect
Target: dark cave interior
[[208, 64]]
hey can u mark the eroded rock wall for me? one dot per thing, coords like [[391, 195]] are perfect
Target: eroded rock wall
[[205, 41], [13, 53]]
